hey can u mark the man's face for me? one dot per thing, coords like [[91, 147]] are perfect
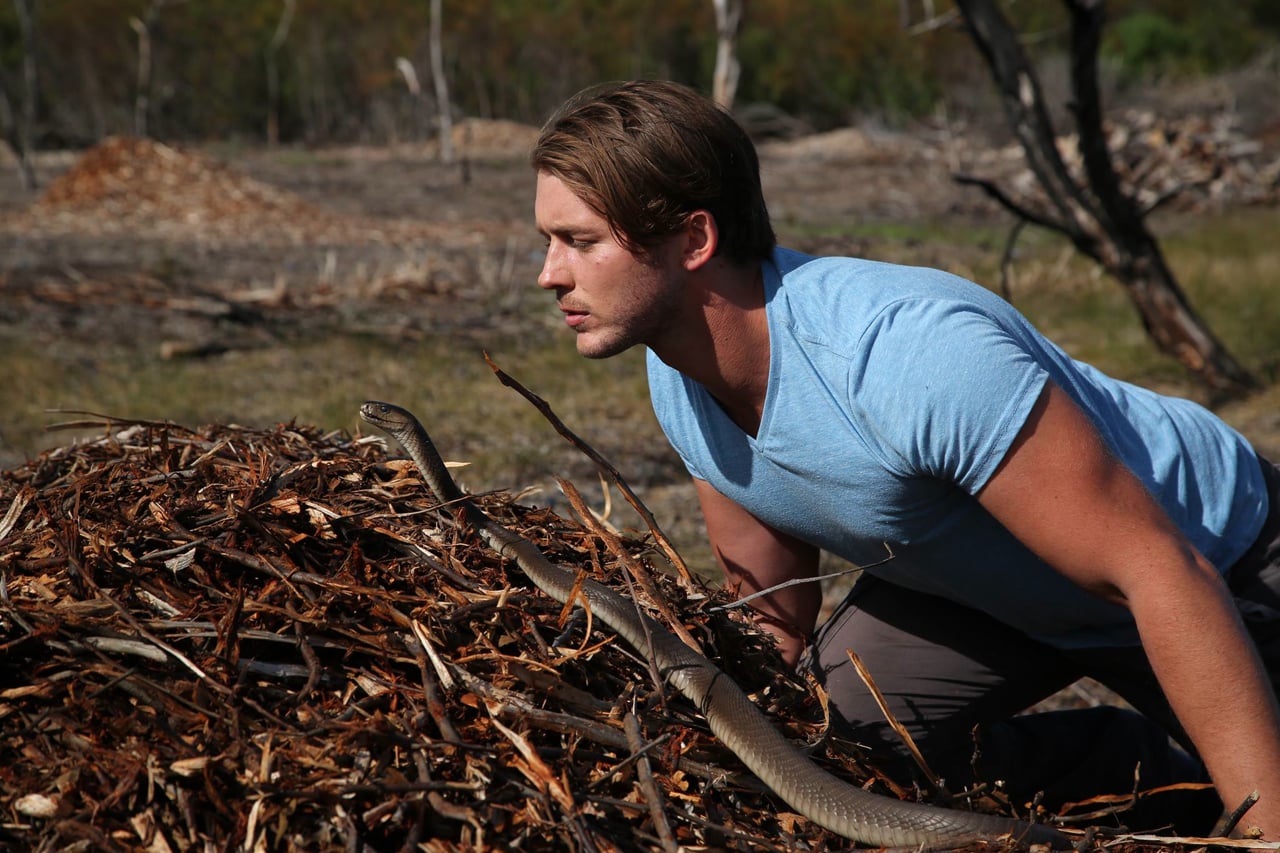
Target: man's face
[[613, 299]]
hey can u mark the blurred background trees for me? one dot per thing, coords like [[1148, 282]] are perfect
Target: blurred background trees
[[225, 69]]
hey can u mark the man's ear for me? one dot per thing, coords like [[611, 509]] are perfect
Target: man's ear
[[702, 239]]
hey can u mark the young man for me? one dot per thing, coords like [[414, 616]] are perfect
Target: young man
[[1045, 521]]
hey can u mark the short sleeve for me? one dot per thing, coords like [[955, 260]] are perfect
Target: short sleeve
[[945, 387]]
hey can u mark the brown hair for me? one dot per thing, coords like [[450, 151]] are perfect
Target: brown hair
[[646, 154]]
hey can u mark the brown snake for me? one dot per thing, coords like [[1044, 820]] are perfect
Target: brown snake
[[839, 806]]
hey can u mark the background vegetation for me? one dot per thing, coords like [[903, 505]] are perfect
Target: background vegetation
[[821, 63]]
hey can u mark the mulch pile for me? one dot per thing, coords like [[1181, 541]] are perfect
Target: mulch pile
[[231, 638], [141, 188], [187, 186]]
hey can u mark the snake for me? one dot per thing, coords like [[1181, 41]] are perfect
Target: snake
[[862, 816]]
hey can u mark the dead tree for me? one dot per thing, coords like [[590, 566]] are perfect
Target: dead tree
[[142, 93], [20, 126], [441, 84], [1102, 218], [729, 15], [145, 27], [411, 82], [273, 70]]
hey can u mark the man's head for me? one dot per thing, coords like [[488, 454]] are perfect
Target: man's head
[[647, 154]]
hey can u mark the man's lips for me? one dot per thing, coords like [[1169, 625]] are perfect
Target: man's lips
[[573, 316]]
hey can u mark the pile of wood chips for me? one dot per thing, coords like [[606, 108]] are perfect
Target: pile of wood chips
[[139, 187], [240, 639]]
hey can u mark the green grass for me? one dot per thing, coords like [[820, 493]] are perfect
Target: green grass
[[1229, 265], [323, 382], [1231, 269]]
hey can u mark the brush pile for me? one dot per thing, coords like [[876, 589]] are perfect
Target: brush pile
[[244, 639]]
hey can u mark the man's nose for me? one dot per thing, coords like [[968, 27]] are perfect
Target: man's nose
[[552, 275]]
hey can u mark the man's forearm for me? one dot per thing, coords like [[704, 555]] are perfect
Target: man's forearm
[[754, 556], [1218, 688]]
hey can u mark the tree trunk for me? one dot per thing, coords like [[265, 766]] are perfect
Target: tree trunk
[[146, 29], [273, 71], [12, 139], [441, 84], [724, 86], [142, 94], [1102, 219], [410, 75], [22, 138], [98, 103]]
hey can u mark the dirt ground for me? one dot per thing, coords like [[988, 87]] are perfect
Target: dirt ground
[[135, 232], [220, 221], [215, 248]]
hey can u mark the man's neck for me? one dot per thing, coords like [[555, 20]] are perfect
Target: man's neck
[[724, 343]]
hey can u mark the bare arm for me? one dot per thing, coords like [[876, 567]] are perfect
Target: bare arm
[[755, 556], [1067, 498]]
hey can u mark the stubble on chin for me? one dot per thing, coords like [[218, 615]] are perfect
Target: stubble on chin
[[606, 343], [596, 349], [643, 324]]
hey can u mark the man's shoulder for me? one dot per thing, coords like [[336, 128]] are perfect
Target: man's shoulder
[[832, 272], [832, 300], [830, 279]]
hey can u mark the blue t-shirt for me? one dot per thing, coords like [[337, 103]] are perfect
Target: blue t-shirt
[[894, 393]]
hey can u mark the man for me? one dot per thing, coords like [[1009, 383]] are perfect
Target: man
[[1045, 521]]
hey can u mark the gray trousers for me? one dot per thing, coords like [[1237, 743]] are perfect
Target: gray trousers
[[957, 680]]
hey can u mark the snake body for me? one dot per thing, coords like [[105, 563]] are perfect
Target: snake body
[[735, 720]]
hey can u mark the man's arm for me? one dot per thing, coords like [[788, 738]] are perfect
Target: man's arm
[[755, 556], [1062, 493]]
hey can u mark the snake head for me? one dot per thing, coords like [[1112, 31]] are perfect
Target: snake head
[[384, 415]]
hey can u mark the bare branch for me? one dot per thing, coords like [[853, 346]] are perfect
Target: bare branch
[[1008, 203], [1025, 109]]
